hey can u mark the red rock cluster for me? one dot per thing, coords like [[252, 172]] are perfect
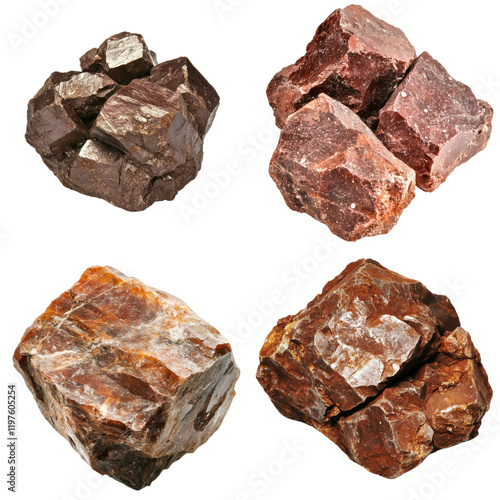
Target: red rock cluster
[[128, 374], [327, 162], [381, 366], [125, 128]]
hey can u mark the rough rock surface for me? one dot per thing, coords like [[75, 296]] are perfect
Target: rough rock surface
[[428, 120], [123, 57], [179, 75], [129, 375], [152, 125], [142, 125], [86, 92], [381, 366], [354, 57], [329, 164], [434, 123]]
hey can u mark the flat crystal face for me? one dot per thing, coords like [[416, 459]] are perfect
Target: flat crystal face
[[122, 52]]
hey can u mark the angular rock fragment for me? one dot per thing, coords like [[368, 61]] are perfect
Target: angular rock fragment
[[354, 57], [424, 117], [91, 61], [434, 123], [147, 132], [125, 56], [86, 93], [381, 366], [53, 125], [103, 171], [179, 75], [329, 164], [129, 375], [441, 405], [152, 125]]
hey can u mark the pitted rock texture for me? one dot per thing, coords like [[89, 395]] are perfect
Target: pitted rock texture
[[428, 120], [124, 129], [354, 58], [434, 123], [381, 366], [128, 374], [330, 165]]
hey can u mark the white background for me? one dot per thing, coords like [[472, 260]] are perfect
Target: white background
[[243, 246]]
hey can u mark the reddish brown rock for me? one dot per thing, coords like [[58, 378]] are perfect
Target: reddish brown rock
[[381, 366], [434, 123], [330, 165], [354, 57], [147, 133], [129, 375]]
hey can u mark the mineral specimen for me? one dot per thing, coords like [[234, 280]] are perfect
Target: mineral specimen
[[354, 57], [151, 124], [381, 366], [123, 129], [428, 120], [124, 56], [129, 375], [86, 93], [201, 99], [329, 164], [434, 123]]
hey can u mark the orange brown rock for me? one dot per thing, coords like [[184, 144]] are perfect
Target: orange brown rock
[[381, 366], [128, 374]]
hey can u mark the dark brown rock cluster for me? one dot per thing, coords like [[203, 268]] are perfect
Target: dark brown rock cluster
[[381, 366], [128, 374], [125, 128], [421, 115]]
